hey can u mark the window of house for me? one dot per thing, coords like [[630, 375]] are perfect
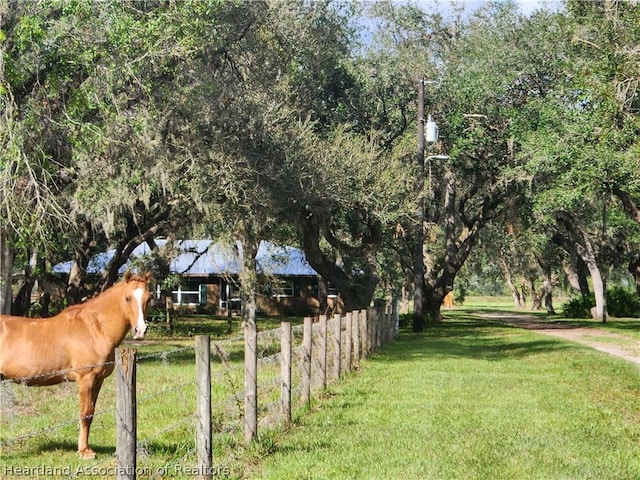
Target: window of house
[[192, 293], [283, 288]]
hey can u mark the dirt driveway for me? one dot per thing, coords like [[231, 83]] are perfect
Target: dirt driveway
[[612, 343]]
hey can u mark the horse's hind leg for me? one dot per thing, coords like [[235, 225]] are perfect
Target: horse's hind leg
[[89, 387]]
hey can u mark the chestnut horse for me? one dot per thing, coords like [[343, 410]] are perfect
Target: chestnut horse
[[76, 345]]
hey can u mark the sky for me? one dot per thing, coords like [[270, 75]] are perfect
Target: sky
[[527, 6], [444, 6]]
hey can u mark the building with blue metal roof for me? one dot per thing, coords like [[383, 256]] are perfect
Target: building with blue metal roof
[[209, 271]]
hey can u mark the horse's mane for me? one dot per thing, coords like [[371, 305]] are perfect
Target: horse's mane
[[90, 301], [134, 278]]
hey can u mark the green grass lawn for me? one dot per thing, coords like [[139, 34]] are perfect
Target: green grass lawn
[[470, 400], [39, 426]]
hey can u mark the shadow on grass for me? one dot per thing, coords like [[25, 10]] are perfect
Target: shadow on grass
[[157, 351], [191, 326], [470, 337], [66, 446], [185, 326], [631, 324]]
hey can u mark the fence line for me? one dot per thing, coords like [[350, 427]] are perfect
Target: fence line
[[292, 362], [203, 403], [126, 415], [54, 373], [164, 355]]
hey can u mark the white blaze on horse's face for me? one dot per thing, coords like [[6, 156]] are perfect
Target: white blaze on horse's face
[[141, 326]]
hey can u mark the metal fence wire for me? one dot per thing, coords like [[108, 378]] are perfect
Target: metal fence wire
[[293, 364]]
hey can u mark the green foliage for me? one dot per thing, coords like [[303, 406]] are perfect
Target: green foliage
[[169, 118], [460, 294], [406, 321], [579, 307], [621, 302]]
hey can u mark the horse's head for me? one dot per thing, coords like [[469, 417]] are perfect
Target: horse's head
[[137, 298]]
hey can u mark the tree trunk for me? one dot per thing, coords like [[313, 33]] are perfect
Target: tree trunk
[[577, 276], [76, 288], [583, 280], [434, 314], [458, 245], [22, 303], [599, 283], [248, 289], [547, 288], [441, 283], [548, 300], [323, 291], [629, 205], [547, 284], [584, 248], [536, 297], [134, 236], [573, 267], [43, 295], [571, 274], [599, 290], [433, 298], [6, 272], [356, 292], [515, 293]]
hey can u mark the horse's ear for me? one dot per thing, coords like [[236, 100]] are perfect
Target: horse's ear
[[127, 276], [147, 277]]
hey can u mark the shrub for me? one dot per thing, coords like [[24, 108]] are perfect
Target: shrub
[[620, 303], [579, 307], [459, 295], [623, 303], [406, 320]]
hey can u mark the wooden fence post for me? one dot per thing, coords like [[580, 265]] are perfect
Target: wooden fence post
[[372, 328], [306, 361], [285, 370], [356, 339], [348, 344], [395, 313], [364, 340], [372, 321], [168, 306], [392, 319], [323, 351], [126, 414], [337, 354], [203, 406], [387, 322], [250, 381], [380, 321]]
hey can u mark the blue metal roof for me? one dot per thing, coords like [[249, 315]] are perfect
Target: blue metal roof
[[205, 257]]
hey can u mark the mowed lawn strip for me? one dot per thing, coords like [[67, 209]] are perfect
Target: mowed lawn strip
[[467, 400]]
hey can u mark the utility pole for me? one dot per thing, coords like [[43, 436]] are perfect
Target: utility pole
[[418, 314]]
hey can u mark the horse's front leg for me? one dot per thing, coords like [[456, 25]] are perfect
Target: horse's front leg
[[89, 387]]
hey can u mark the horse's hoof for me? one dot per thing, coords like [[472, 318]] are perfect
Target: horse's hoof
[[87, 454]]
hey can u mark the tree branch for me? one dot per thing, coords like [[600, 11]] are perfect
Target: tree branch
[[629, 205]]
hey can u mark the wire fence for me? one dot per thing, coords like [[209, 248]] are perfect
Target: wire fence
[[293, 364]]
